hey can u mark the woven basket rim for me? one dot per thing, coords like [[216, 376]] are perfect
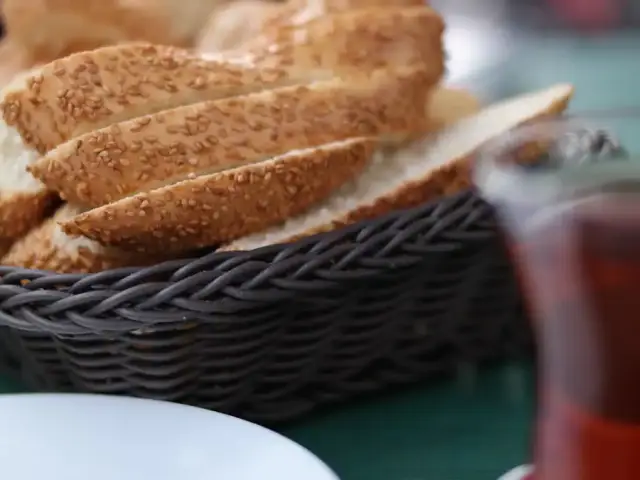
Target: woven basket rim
[[207, 288]]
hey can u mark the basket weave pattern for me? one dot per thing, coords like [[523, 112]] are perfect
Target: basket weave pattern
[[270, 334]]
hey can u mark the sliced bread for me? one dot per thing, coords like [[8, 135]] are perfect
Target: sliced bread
[[91, 90], [297, 12], [151, 151], [354, 42], [46, 247], [217, 208], [52, 28], [417, 174], [24, 201]]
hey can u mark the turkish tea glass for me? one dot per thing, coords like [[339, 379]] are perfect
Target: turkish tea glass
[[567, 197]]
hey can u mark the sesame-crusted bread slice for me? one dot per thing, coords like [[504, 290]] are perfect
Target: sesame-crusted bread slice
[[354, 42], [52, 28], [46, 247], [213, 209], [24, 201], [422, 172], [91, 90], [135, 156], [20, 211], [236, 23]]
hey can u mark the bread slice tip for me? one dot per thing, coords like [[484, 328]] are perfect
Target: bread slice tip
[[46, 247], [24, 201]]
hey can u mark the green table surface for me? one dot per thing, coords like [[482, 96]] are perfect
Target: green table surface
[[470, 428]]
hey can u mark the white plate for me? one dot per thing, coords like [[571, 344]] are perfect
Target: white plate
[[81, 437], [518, 473]]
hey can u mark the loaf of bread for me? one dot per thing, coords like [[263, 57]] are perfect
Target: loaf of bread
[[331, 114], [108, 164], [86, 91], [425, 171], [213, 209]]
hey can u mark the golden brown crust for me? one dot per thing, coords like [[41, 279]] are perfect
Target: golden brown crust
[[108, 164], [5, 246], [94, 89], [21, 211], [47, 248], [451, 177], [296, 12], [234, 24], [355, 41], [217, 208], [51, 28]]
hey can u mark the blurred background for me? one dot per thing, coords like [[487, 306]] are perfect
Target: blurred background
[[501, 47]]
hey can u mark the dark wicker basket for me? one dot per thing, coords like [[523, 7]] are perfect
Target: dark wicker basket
[[270, 334]]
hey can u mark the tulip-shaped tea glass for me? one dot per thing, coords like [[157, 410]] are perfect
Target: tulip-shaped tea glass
[[568, 199]]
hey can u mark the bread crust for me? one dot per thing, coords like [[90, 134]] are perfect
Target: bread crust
[[238, 24], [106, 165], [23, 201], [50, 29], [21, 211], [90, 90], [355, 41], [5, 246], [299, 12], [451, 177], [217, 208], [47, 248]]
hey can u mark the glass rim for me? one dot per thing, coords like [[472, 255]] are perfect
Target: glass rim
[[498, 176]]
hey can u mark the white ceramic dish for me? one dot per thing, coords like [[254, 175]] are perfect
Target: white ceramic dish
[[518, 473], [80, 437]]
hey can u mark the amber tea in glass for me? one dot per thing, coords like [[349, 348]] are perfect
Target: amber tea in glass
[[573, 228]]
